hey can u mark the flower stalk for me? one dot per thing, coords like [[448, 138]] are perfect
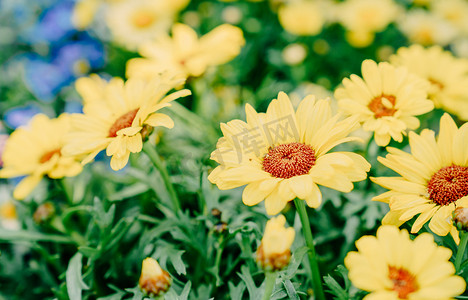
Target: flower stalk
[[270, 280], [316, 282], [461, 250], [150, 150]]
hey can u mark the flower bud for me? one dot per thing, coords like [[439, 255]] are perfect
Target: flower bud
[[44, 213], [154, 281], [274, 251], [460, 218]]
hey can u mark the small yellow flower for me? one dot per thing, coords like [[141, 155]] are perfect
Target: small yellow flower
[[447, 74], [363, 18], [134, 22], [118, 115], [455, 12], [425, 28], [433, 181], [392, 266], [154, 280], [8, 216], [84, 12], [283, 154], [386, 100], [186, 53], [36, 150], [275, 249], [8, 210], [301, 17]]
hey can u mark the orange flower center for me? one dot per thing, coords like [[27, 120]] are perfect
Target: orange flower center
[[436, 83], [404, 283], [448, 185], [289, 160], [122, 122], [383, 106], [142, 19], [47, 156]]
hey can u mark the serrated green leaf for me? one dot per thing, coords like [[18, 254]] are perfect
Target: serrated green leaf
[[295, 262], [177, 262], [335, 288], [75, 283], [236, 292], [186, 291], [290, 290]]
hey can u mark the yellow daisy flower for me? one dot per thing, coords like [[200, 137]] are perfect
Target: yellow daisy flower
[[283, 154], [37, 150], [447, 74], [120, 120], [186, 53], [434, 178], [386, 100], [392, 266], [134, 22]]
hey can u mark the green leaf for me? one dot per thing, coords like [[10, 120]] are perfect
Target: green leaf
[[75, 283], [31, 236], [130, 191], [335, 288], [296, 259], [177, 262], [253, 290], [186, 291], [290, 290], [88, 251], [236, 292]]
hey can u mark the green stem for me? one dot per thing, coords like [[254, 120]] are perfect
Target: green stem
[[270, 278], [66, 190], [150, 150], [461, 250], [316, 282]]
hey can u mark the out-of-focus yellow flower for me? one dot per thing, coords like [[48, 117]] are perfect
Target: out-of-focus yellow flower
[[275, 249], [283, 154], [8, 217], [359, 39], [447, 74], [433, 181], [186, 53], [135, 22], [8, 210], [122, 118], [454, 11], [154, 281], [425, 28], [363, 18], [36, 150], [84, 12], [392, 266], [386, 100], [294, 54], [301, 17]]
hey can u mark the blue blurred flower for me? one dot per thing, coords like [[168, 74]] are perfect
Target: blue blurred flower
[[45, 77], [53, 25], [19, 116]]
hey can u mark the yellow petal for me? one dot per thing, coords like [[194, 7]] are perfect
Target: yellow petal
[[256, 192], [26, 186], [158, 119]]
